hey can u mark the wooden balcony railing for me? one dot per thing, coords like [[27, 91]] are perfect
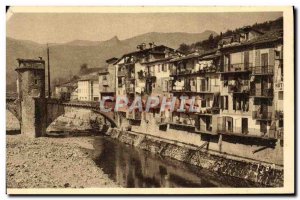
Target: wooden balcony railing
[[261, 115], [263, 70], [237, 67], [262, 93], [121, 73], [238, 89], [193, 71]]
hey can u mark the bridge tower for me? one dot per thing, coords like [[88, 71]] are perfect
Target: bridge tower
[[31, 96]]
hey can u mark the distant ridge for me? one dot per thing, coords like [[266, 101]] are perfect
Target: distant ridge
[[66, 58]]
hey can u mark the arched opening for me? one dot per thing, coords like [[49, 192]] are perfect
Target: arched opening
[[13, 124], [80, 122]]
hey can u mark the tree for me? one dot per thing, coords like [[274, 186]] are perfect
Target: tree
[[83, 68], [184, 48]]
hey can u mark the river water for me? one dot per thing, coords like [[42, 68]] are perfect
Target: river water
[[135, 168]]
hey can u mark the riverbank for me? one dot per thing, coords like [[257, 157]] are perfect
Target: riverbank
[[53, 163], [264, 174]]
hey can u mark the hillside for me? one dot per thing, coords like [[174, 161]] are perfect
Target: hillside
[[66, 58]]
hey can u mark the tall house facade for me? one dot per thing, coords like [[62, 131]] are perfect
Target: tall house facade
[[141, 73], [235, 92], [107, 79], [195, 76], [250, 70], [88, 88]]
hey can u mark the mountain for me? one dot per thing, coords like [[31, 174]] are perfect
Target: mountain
[[66, 58]]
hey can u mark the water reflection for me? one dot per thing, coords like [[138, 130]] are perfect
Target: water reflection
[[131, 167]]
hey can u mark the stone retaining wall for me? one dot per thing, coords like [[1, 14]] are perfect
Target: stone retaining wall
[[262, 173]]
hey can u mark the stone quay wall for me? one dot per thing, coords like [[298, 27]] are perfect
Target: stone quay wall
[[258, 172]]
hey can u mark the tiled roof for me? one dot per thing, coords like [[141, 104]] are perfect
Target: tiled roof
[[195, 55], [267, 37], [92, 70], [270, 36], [143, 51], [89, 77], [158, 60]]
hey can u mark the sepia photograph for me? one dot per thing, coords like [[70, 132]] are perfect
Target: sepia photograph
[[149, 100]]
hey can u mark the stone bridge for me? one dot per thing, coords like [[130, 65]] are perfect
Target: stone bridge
[[30, 105], [55, 108]]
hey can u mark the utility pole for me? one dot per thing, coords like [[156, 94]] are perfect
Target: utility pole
[[48, 59]]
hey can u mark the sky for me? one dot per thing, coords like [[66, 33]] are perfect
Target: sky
[[64, 27]]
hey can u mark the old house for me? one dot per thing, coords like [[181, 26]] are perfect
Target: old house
[[195, 76], [249, 73], [65, 90], [88, 87], [107, 79], [139, 73]]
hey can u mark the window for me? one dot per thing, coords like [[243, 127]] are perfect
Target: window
[[208, 102], [264, 59], [164, 67], [104, 78], [225, 102], [165, 85], [280, 95], [280, 123], [203, 103], [36, 81], [237, 103]]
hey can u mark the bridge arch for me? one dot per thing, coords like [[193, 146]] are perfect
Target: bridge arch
[[12, 121], [55, 110], [13, 106]]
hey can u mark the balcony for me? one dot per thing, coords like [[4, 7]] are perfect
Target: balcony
[[233, 130], [237, 67], [245, 132], [279, 114], [129, 75], [193, 89], [261, 116], [134, 115], [238, 89], [205, 129], [209, 111], [263, 70], [130, 89], [209, 89], [192, 71], [265, 93], [121, 73]]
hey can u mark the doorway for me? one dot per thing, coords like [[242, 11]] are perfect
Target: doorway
[[244, 125]]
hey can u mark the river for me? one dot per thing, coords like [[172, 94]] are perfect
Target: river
[[135, 168]]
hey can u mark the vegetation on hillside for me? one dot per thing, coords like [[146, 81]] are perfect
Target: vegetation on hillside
[[212, 41]]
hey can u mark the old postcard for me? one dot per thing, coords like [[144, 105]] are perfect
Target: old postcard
[[150, 100]]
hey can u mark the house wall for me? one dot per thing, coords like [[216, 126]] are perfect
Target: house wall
[[140, 84], [95, 93], [162, 73], [84, 90]]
